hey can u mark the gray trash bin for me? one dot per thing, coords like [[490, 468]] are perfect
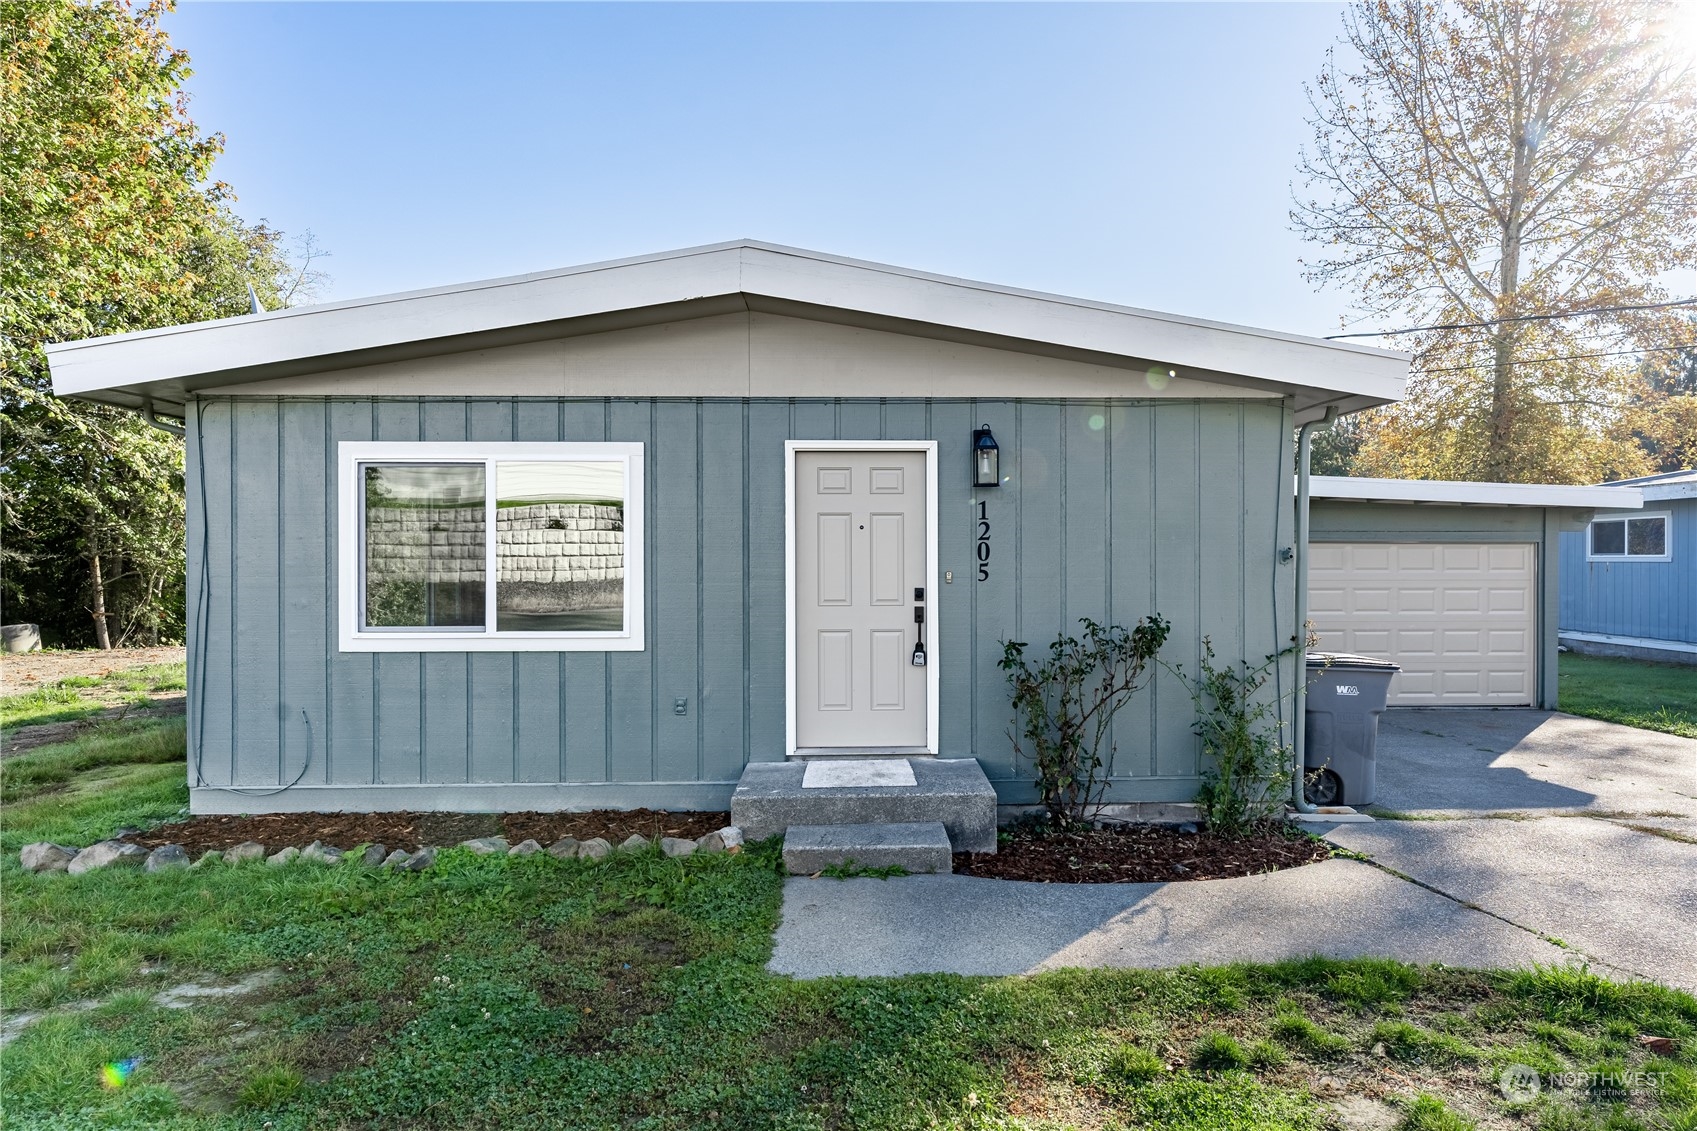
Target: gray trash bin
[[1346, 696]]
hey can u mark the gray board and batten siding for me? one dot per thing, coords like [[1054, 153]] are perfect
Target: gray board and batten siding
[[1114, 508]]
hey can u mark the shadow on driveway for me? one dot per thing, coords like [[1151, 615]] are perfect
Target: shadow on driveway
[[1473, 762]]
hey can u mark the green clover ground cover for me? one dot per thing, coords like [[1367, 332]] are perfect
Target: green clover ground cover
[[495, 992]]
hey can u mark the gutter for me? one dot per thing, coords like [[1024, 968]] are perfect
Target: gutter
[[176, 430], [1304, 449]]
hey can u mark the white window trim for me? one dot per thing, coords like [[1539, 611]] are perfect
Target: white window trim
[[350, 523], [1667, 537]]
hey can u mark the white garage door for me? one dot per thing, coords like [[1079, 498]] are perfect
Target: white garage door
[[1458, 617]]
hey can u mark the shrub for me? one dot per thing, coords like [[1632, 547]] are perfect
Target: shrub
[[1242, 739], [1064, 708]]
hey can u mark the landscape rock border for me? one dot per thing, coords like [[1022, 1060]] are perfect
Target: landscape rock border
[[46, 857]]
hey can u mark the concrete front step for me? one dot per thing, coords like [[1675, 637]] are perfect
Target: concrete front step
[[917, 846], [773, 796]]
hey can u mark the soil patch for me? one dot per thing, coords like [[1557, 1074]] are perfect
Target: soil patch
[[20, 671], [17, 740], [410, 831], [1129, 853]]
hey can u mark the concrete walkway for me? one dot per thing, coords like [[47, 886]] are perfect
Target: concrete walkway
[[971, 925], [1533, 827]]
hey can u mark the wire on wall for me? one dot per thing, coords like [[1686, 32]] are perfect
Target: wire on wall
[[203, 623]]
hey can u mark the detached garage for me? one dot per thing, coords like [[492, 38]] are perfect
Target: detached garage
[[1455, 582]]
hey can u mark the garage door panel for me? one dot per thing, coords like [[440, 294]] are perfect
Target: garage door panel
[[1509, 559], [1371, 601], [1371, 642], [1411, 684], [1409, 642], [1507, 682], [1506, 600], [1506, 642], [1364, 559], [1461, 642], [1462, 559], [1458, 617], [1417, 600], [1412, 559], [1459, 600], [1326, 599]]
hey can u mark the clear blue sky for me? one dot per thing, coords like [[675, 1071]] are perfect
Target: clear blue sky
[[1134, 153]]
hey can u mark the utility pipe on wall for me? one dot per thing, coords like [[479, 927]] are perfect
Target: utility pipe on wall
[[1304, 448]]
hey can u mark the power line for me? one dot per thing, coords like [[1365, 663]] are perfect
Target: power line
[[1564, 357], [1520, 318]]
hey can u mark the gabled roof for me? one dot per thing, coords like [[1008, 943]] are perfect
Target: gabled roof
[[166, 366], [1470, 494], [1661, 488]]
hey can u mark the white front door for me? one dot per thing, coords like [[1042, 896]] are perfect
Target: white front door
[[860, 562]]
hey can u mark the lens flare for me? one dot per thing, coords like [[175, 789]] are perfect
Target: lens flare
[[117, 1073]]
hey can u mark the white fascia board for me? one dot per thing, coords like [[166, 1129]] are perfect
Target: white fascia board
[[1473, 494], [175, 352], [248, 343], [1185, 343], [1663, 492]]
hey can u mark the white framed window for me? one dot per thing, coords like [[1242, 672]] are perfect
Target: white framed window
[[1641, 537], [500, 547]]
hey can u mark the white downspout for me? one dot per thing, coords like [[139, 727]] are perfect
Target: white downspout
[[1304, 448]]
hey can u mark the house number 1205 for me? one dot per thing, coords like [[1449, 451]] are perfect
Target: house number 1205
[[983, 542]]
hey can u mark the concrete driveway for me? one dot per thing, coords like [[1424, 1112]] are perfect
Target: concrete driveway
[[1525, 836], [1470, 763], [1582, 831]]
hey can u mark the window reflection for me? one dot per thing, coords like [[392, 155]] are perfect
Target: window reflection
[[425, 545], [560, 546]]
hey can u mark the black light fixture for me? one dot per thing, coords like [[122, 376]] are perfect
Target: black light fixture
[[986, 463]]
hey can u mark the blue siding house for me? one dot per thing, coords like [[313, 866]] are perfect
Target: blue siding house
[[609, 536], [1629, 580]]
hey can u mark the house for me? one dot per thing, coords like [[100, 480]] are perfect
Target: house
[[606, 536], [1629, 579], [1455, 582]]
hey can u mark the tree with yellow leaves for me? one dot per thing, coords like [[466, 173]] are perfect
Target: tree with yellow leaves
[[1518, 174]]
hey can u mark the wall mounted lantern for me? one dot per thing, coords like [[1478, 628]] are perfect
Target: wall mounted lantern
[[986, 466]]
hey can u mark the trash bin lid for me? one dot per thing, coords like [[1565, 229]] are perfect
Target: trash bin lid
[[1346, 660]]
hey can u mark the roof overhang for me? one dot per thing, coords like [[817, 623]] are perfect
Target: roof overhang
[[168, 365], [1473, 494]]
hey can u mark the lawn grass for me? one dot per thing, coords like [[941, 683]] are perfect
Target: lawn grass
[[497, 992], [79, 697], [1634, 692]]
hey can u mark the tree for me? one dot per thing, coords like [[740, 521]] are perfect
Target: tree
[[1493, 163], [108, 224], [1667, 424]]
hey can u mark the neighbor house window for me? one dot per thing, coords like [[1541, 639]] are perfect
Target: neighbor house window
[[1634, 537], [491, 547]]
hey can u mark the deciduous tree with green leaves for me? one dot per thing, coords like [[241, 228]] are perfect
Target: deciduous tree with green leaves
[[109, 222], [1499, 162]]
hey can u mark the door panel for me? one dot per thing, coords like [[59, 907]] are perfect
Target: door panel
[[836, 670], [860, 527]]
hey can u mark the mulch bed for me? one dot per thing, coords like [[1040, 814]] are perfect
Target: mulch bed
[[1127, 853], [412, 831]]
